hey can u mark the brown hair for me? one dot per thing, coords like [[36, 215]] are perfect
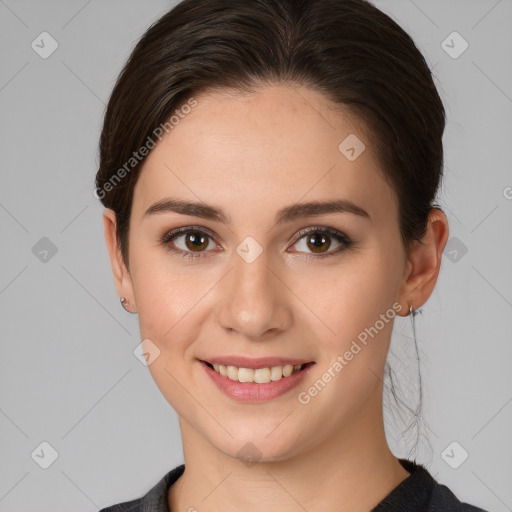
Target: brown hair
[[347, 49]]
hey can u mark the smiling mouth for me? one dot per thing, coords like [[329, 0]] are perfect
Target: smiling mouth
[[258, 375]]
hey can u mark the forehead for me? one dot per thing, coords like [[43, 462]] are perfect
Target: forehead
[[261, 150]]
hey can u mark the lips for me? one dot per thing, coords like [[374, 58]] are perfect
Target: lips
[[259, 389]]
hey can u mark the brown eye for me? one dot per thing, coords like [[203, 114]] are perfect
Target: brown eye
[[318, 241], [196, 241], [190, 243]]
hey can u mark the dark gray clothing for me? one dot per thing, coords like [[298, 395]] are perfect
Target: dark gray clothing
[[419, 492]]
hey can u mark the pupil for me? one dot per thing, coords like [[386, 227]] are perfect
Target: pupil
[[196, 238], [321, 240]]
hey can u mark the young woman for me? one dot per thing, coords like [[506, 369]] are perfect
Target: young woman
[[269, 170]]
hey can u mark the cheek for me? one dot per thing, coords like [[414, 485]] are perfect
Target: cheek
[[165, 295], [169, 310], [343, 299], [352, 305]]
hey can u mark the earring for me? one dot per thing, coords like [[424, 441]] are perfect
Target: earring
[[413, 312], [124, 304]]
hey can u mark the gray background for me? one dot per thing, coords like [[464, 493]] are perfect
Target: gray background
[[68, 375]]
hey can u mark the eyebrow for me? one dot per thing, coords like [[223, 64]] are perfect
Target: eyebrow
[[286, 214]]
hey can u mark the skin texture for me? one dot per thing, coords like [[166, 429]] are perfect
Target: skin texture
[[252, 154]]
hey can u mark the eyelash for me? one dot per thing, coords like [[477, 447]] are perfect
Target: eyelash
[[338, 235]]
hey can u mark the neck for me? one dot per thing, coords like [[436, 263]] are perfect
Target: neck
[[353, 471]]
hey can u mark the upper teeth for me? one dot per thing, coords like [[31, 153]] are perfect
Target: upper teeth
[[259, 375]]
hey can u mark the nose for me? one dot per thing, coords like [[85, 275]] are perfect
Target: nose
[[254, 300]]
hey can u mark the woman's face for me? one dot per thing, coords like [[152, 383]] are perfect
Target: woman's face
[[256, 287]]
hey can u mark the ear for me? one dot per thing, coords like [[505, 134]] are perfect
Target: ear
[[122, 277], [424, 263]]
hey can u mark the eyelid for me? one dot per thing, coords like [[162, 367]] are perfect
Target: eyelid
[[185, 229], [318, 229]]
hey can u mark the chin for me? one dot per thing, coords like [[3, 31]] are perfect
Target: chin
[[253, 449]]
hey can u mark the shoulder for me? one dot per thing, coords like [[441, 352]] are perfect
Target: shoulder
[[127, 506], [421, 492], [155, 500], [443, 499]]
